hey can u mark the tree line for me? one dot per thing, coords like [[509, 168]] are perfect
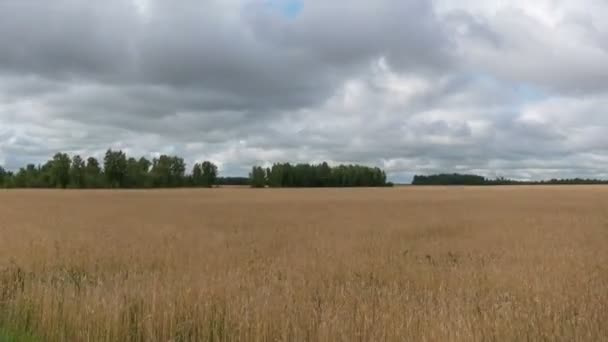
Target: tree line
[[115, 171], [468, 179], [320, 175], [233, 181]]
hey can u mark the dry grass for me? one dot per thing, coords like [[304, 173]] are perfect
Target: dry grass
[[436, 264]]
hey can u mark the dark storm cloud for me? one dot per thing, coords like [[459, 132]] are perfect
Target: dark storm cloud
[[219, 49], [66, 38], [407, 33]]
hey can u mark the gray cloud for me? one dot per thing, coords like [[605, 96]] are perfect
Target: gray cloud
[[516, 89]]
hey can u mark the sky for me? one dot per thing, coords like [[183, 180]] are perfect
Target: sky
[[511, 88]]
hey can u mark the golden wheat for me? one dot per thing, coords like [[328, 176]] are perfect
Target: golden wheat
[[419, 264]]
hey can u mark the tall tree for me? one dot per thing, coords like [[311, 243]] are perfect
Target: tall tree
[[8, 179], [30, 176], [168, 171], [115, 168], [209, 174], [77, 172], [197, 175], [258, 177], [20, 179], [3, 177], [161, 171], [144, 169], [324, 174], [178, 172], [45, 174], [60, 170], [93, 174], [133, 176]]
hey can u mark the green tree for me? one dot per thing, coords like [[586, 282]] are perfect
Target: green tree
[[115, 168], [178, 172], [45, 175], [133, 176], [93, 174], [161, 171], [449, 179], [77, 173], [8, 179], [307, 175], [137, 173], [324, 175], [20, 180], [240, 181], [209, 174], [197, 175], [3, 177], [29, 176], [275, 176], [168, 171], [144, 172], [258, 177], [60, 170]]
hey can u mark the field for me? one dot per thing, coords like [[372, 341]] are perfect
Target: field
[[418, 264]]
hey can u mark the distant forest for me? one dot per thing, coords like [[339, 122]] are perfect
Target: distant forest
[[117, 170], [464, 179], [321, 175]]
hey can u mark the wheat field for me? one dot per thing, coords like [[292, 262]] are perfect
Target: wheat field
[[401, 264]]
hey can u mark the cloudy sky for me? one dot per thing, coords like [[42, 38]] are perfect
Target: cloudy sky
[[513, 88]]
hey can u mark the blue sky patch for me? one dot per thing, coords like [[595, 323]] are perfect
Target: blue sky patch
[[289, 8], [530, 93]]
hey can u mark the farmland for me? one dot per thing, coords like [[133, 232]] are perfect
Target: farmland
[[238, 264]]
